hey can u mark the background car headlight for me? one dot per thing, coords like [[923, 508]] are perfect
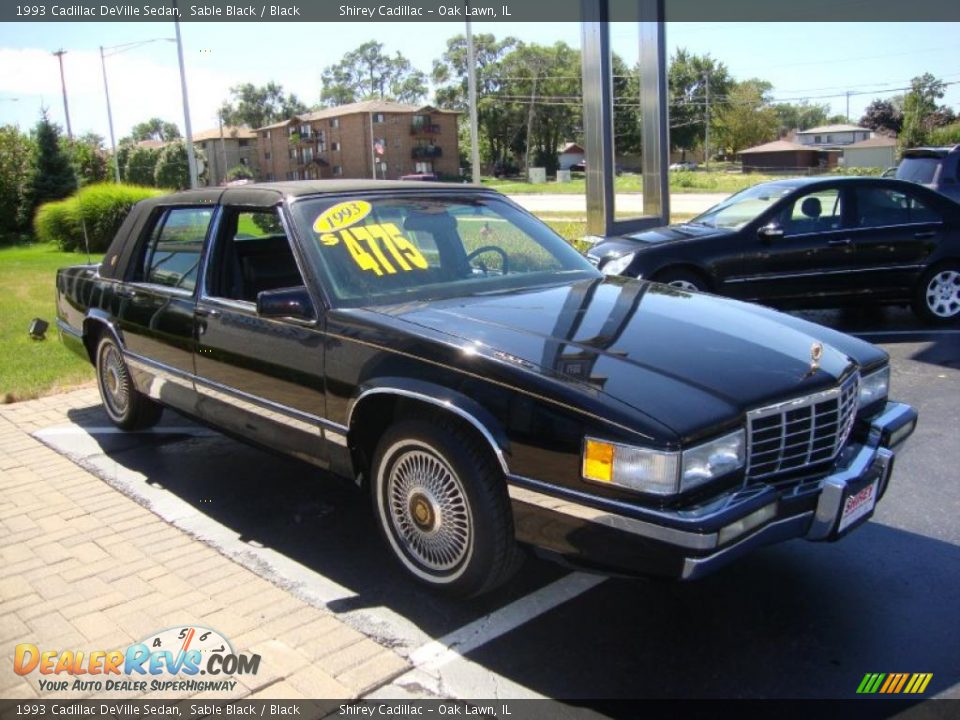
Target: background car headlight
[[703, 463], [660, 472], [874, 387], [617, 265]]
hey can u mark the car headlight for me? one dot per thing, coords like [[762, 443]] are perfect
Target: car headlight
[[615, 266], [874, 387], [660, 472]]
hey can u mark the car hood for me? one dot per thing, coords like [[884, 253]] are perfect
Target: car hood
[[690, 361], [670, 233]]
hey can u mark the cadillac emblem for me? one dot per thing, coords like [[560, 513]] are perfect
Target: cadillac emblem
[[816, 353]]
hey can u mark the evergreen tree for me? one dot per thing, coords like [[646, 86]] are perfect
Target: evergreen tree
[[52, 176]]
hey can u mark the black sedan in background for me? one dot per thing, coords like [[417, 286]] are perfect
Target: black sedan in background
[[801, 243]]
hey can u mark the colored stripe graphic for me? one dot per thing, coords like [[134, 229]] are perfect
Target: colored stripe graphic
[[894, 683]]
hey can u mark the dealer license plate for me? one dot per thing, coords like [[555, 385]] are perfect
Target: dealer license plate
[[858, 505]]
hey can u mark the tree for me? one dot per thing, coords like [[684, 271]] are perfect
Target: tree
[[883, 116], [746, 118], [141, 164], [367, 73], [919, 109], [51, 176], [256, 106], [16, 151], [88, 157], [239, 172], [172, 169], [687, 79], [800, 116], [155, 129]]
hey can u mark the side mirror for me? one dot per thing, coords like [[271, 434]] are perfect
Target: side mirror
[[770, 232], [291, 302]]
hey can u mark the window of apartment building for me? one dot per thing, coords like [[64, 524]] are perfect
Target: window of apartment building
[[378, 117], [335, 146], [268, 134], [420, 121], [334, 122], [305, 131], [293, 175], [816, 138], [307, 154], [266, 154], [337, 170], [424, 167], [292, 153], [829, 138]]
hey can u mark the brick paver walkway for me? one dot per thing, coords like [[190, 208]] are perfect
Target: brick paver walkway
[[84, 567]]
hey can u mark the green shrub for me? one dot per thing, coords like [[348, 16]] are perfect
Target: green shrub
[[945, 135], [857, 171], [102, 208]]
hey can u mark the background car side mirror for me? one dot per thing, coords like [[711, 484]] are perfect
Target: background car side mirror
[[770, 232], [286, 302]]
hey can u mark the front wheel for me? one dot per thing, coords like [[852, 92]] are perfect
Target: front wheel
[[683, 279], [442, 506], [937, 296], [127, 408]]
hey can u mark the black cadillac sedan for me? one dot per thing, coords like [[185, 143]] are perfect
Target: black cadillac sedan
[[803, 243], [459, 362]]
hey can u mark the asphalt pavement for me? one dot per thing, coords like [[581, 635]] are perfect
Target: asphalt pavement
[[797, 620]]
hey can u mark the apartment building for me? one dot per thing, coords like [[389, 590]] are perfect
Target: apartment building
[[226, 148], [368, 139]]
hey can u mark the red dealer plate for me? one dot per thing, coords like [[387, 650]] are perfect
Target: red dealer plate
[[857, 505]]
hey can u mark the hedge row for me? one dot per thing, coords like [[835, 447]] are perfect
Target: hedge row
[[102, 208]]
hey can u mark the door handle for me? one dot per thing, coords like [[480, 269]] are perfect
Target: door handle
[[208, 312], [126, 292], [925, 235], [840, 241]]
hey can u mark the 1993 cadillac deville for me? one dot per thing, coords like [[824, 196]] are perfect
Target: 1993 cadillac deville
[[482, 381]]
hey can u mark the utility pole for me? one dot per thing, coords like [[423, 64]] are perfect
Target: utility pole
[[113, 142], [533, 99], [472, 89], [63, 84], [706, 128], [191, 157], [223, 151], [849, 93]]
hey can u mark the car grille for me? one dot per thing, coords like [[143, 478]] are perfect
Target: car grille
[[798, 433]]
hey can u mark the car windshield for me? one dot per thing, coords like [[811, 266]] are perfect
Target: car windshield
[[376, 250], [918, 169], [737, 210]]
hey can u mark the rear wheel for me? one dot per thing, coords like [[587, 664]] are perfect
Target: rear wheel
[[683, 279], [125, 406], [937, 296], [442, 506]]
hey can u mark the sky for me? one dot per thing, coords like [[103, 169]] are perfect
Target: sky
[[816, 61]]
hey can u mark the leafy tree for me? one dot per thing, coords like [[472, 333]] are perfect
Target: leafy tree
[[919, 108], [88, 157], [687, 79], [883, 116], [367, 73], [800, 116], [141, 164], [256, 106], [51, 176], [746, 119], [155, 129], [16, 152], [239, 172], [173, 169], [945, 135]]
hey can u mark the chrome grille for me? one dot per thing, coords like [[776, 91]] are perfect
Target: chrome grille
[[805, 431]]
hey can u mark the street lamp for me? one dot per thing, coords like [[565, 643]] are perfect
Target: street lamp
[[116, 50], [63, 84]]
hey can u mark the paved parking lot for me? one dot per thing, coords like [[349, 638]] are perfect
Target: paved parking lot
[[795, 620]]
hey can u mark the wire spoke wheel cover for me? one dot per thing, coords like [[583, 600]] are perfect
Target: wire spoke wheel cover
[[114, 380], [683, 285], [943, 294], [425, 511]]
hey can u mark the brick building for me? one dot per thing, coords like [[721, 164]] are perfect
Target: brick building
[[356, 140], [227, 148]]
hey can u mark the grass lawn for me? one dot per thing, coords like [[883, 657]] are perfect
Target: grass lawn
[[698, 181], [29, 368]]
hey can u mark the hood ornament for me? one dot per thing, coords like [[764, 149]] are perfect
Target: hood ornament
[[816, 353]]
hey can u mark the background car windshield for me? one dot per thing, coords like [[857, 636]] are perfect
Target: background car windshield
[[918, 170], [375, 250], [737, 210]]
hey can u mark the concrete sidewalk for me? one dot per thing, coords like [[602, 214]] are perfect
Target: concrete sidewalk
[[84, 567]]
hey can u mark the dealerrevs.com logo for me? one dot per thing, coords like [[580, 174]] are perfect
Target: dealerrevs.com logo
[[170, 660]]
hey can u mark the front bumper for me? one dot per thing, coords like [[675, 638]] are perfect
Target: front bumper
[[622, 538]]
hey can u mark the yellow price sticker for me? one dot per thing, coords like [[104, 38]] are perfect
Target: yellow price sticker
[[379, 248], [342, 215]]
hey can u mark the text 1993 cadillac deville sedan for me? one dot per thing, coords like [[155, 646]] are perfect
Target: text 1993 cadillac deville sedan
[[482, 381]]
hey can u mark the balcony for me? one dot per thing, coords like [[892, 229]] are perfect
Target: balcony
[[424, 129], [426, 152]]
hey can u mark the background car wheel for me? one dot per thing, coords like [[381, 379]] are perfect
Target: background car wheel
[[683, 279], [442, 506], [937, 297], [126, 408]]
